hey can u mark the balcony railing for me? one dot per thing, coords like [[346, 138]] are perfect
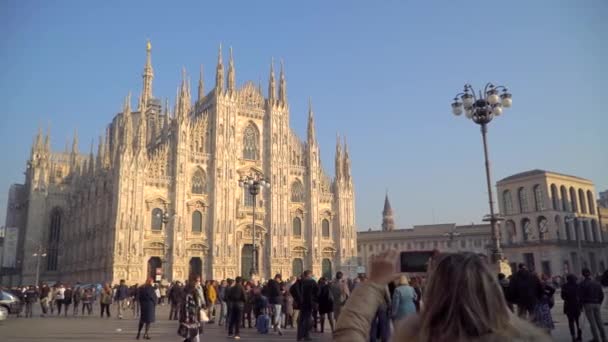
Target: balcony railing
[[558, 242]]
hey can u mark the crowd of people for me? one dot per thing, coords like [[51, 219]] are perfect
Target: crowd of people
[[475, 306]]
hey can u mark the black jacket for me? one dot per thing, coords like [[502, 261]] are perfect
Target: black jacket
[[273, 292], [590, 292], [572, 302], [236, 294], [308, 293], [525, 289]]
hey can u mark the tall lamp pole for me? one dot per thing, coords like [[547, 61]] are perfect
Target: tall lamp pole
[[38, 254], [254, 184], [481, 109]]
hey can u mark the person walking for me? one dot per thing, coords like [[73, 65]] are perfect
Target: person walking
[[504, 285], [591, 297], [44, 299], [189, 317], [326, 304], [572, 306], [248, 307], [67, 299], [87, 301], [305, 292], [236, 299], [121, 297], [133, 293], [211, 300], [404, 297], [147, 304], [221, 303], [30, 297], [272, 291], [105, 299], [542, 310], [51, 300], [340, 293], [76, 298], [176, 299], [58, 297], [525, 287]]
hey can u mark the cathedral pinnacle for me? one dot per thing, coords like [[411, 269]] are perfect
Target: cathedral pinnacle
[[231, 72], [311, 124], [271, 83], [282, 86], [338, 162], [219, 72], [201, 86]]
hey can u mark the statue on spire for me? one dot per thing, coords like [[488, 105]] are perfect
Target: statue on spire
[[148, 75], [339, 168]]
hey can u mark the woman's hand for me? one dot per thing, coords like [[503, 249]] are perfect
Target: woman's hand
[[383, 266]]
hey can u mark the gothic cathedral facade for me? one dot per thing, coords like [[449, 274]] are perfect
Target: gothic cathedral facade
[[161, 196]]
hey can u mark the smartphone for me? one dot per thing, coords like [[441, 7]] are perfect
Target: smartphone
[[415, 261]]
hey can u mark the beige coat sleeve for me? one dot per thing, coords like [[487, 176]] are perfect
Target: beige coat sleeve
[[355, 319]]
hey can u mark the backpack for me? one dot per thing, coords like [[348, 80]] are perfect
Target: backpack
[[262, 323]]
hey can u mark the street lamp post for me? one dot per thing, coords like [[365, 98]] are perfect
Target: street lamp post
[[254, 183], [482, 108], [39, 254]]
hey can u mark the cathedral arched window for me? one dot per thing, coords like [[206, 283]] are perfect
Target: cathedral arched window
[[251, 142], [199, 182], [523, 200], [156, 219], [197, 222], [297, 191], [297, 227], [325, 228], [507, 202]]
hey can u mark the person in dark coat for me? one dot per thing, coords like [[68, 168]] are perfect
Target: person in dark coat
[[147, 304], [306, 296], [572, 306], [236, 298], [326, 304], [524, 288], [176, 299]]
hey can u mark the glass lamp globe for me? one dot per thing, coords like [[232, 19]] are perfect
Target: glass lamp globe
[[457, 108], [506, 100], [250, 182], [267, 185], [493, 97], [497, 110], [467, 99], [469, 113]]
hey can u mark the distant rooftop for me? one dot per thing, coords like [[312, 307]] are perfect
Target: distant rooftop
[[538, 172]]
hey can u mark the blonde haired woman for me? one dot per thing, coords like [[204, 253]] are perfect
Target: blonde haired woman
[[403, 301], [463, 302]]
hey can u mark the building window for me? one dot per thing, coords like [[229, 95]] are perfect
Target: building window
[[523, 200], [594, 231], [585, 231], [157, 219], [199, 182], [297, 227], [564, 195], [197, 222], [507, 202], [538, 198], [543, 227], [325, 228], [371, 248], [247, 198], [251, 142], [591, 202], [526, 229], [297, 191], [581, 198], [573, 204], [463, 244], [554, 198]]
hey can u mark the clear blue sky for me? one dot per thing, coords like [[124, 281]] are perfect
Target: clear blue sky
[[381, 72]]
